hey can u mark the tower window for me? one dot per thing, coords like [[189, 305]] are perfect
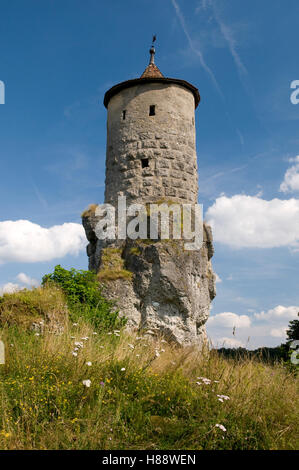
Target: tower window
[[124, 114], [152, 110], [144, 163]]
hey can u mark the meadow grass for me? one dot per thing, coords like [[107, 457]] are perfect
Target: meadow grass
[[143, 394]]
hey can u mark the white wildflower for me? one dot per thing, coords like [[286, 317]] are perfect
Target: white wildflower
[[131, 346], [75, 354], [223, 397], [87, 383], [220, 426], [88, 363], [123, 369]]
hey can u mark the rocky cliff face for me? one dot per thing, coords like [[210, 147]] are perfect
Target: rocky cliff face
[[157, 285]]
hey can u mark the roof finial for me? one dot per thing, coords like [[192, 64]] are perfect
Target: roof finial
[[152, 50]]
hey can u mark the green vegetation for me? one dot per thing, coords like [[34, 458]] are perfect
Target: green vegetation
[[88, 387], [84, 297], [112, 265]]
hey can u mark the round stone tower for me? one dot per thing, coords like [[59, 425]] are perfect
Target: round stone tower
[[159, 287], [151, 150]]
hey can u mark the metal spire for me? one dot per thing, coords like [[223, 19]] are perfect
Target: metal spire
[[153, 51]]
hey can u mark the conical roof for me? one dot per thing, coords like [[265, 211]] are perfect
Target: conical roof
[[152, 71], [151, 74]]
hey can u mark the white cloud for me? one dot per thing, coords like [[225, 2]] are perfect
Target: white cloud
[[218, 279], [9, 288], [278, 313], [291, 178], [244, 221], [27, 242], [278, 332], [267, 328], [28, 281], [229, 320]]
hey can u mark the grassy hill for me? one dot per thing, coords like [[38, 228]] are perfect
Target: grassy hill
[[70, 382]]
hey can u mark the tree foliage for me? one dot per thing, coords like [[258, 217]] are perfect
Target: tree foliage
[[84, 297]]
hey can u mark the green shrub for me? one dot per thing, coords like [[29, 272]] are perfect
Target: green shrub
[[84, 297]]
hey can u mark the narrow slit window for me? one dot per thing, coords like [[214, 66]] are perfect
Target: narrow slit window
[[152, 110], [124, 114], [144, 163]]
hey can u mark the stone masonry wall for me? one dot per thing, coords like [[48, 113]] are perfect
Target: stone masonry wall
[[166, 139]]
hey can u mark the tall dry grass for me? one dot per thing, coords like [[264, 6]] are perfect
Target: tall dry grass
[[143, 394]]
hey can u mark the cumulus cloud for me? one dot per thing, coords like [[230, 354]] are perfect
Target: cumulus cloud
[[244, 221], [230, 320], [27, 242], [291, 178], [28, 281], [9, 288], [278, 332], [218, 279], [278, 313], [266, 328]]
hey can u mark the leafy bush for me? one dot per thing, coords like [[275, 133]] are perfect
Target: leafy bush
[[84, 297]]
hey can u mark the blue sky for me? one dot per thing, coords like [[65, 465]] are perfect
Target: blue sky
[[57, 59]]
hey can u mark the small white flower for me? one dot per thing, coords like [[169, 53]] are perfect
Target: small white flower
[[109, 333], [122, 369], [79, 344], [220, 399], [220, 426], [75, 354], [88, 363], [94, 333], [85, 338], [131, 346], [87, 383], [157, 354], [36, 334], [116, 334], [223, 397], [75, 324]]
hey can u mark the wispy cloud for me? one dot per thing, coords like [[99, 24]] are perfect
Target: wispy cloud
[[227, 33], [195, 48]]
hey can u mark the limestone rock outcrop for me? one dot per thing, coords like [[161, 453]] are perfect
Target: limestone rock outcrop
[[157, 285]]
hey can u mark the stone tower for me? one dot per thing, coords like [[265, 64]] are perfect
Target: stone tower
[[151, 153], [151, 156]]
